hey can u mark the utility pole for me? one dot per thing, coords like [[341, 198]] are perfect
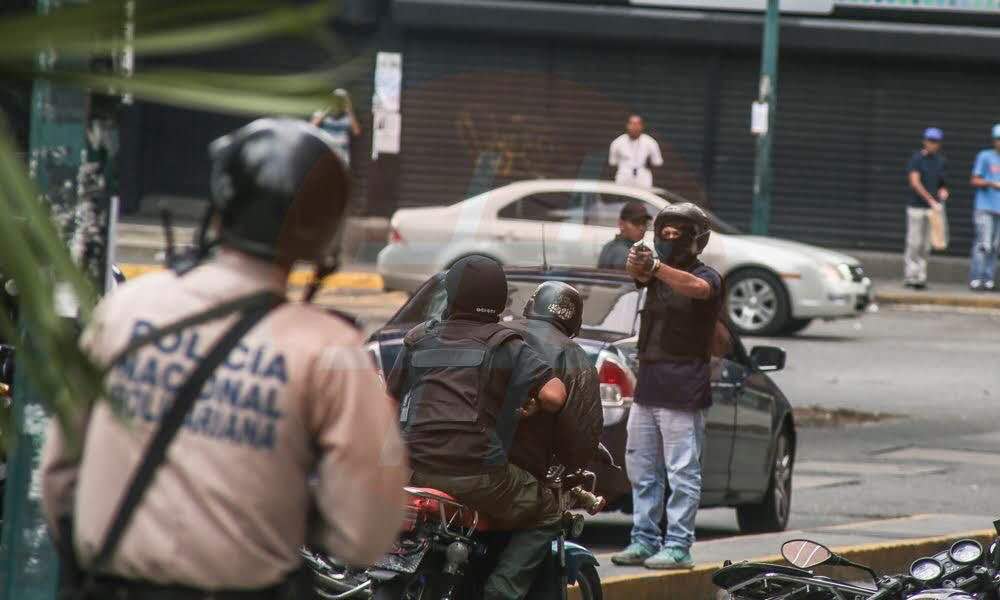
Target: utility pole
[[764, 112], [71, 160]]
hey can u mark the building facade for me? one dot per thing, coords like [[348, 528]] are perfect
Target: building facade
[[542, 87]]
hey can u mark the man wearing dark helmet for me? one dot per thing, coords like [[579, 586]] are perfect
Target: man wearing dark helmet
[[666, 426], [552, 317], [224, 514], [462, 384]]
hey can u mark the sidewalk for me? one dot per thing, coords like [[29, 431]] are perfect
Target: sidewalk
[[888, 546], [140, 247], [936, 294]]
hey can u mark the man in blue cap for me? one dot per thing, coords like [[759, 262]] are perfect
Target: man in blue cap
[[925, 173], [986, 180]]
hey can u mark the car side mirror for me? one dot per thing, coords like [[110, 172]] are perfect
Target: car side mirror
[[805, 554], [767, 358]]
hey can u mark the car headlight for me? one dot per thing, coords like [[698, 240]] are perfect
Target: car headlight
[[834, 273]]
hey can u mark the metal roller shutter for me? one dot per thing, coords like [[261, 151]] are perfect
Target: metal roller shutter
[[846, 128], [546, 110]]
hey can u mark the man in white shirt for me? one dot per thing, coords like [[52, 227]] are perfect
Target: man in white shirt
[[634, 153]]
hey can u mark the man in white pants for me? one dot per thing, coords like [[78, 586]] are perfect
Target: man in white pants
[[633, 153], [926, 178]]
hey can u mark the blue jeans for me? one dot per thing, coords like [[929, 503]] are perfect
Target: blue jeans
[[664, 446], [984, 249]]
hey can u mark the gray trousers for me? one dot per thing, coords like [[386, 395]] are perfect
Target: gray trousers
[[918, 245]]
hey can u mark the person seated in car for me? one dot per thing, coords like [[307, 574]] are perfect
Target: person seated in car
[[632, 223]]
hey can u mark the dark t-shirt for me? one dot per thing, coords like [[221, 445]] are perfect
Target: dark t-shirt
[[680, 384], [615, 253], [517, 373], [931, 169]]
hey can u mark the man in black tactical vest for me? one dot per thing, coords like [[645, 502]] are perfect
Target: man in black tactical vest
[[666, 426], [462, 384]]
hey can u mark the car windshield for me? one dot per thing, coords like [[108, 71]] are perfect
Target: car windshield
[[606, 306], [718, 225]]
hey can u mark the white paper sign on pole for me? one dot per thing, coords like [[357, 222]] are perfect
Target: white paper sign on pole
[[388, 128], [388, 81], [758, 118]]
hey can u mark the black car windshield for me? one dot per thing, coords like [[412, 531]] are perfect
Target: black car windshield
[[606, 306]]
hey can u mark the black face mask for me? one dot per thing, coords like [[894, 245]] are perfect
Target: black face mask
[[677, 251]]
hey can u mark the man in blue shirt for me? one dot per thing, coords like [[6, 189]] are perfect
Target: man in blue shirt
[[986, 216], [925, 175], [339, 121]]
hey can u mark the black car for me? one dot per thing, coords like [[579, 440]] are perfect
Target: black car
[[750, 445]]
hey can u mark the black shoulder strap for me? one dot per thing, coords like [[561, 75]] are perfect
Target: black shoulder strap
[[254, 309]]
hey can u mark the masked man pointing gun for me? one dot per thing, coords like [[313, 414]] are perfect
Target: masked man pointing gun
[[666, 426]]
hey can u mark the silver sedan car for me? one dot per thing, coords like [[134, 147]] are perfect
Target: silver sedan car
[[773, 286]]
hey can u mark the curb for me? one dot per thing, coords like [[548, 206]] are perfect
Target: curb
[[986, 300], [884, 557], [355, 280]]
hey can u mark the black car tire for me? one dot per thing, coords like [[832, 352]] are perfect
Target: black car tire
[[796, 325], [590, 583], [749, 291], [771, 514]]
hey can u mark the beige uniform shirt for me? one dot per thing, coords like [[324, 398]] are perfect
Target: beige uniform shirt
[[228, 509]]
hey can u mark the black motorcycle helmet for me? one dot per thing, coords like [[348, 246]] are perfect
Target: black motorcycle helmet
[[695, 228], [279, 191], [559, 303], [477, 289]]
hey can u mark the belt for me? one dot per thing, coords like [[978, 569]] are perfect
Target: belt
[[117, 588]]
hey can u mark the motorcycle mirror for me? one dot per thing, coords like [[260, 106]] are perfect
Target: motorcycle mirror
[[805, 554]]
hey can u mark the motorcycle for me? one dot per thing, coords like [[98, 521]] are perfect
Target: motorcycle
[[962, 571], [447, 550]]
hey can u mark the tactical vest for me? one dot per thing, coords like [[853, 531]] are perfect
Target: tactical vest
[[448, 388], [675, 327]]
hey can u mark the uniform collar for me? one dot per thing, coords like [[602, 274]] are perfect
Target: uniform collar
[[245, 272]]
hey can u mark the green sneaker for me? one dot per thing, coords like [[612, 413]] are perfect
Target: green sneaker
[[635, 554], [670, 558]]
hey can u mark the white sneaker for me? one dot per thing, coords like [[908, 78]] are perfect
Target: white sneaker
[[989, 286], [976, 285]]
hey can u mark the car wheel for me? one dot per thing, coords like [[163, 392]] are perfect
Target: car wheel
[[771, 514], [796, 325], [756, 302]]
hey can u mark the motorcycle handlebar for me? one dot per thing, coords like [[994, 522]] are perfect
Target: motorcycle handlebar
[[888, 591]]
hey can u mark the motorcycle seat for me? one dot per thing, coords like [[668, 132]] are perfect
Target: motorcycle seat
[[428, 501]]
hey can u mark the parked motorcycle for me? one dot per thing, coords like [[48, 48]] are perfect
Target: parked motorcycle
[[962, 571], [447, 550]]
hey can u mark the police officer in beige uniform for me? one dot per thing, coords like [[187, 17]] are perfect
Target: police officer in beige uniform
[[226, 513]]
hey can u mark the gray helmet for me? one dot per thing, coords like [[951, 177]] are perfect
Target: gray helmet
[[280, 191], [686, 212], [559, 303]]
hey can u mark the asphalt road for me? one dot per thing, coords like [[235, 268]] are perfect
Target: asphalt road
[[937, 370]]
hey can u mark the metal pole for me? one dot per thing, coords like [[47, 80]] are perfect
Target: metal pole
[[74, 172], [768, 96]]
